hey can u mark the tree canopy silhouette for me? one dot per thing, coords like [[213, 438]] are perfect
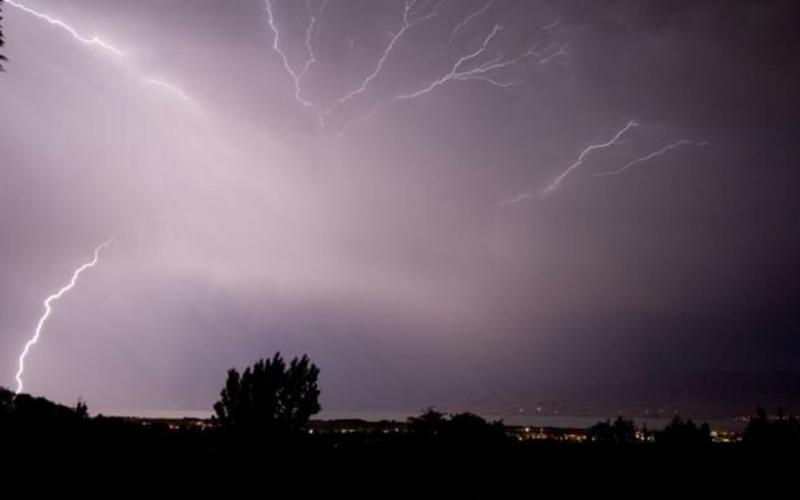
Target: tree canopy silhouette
[[269, 397], [430, 423]]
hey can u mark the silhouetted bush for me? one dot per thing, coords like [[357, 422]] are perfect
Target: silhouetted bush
[[269, 397]]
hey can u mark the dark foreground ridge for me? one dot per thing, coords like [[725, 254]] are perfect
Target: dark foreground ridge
[[267, 438]]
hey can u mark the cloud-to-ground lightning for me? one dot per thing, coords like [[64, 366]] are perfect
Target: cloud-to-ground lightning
[[96, 41], [586, 151], [48, 309], [655, 154]]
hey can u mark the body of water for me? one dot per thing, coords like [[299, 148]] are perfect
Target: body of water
[[558, 421]]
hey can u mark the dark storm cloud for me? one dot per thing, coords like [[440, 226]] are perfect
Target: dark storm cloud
[[242, 227]]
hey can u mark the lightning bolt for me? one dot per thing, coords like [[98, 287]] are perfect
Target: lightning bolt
[[465, 69], [562, 51], [167, 86], [406, 24], [93, 40], [471, 66], [655, 154], [311, 58], [48, 309], [515, 200], [550, 27], [463, 24], [355, 121], [96, 41], [582, 156], [482, 72]]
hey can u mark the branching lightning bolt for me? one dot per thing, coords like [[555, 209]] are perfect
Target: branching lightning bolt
[[562, 51], [94, 40], [463, 24], [472, 66], [99, 43], [588, 150], [616, 140], [297, 76], [406, 24], [482, 72], [467, 67], [655, 154], [48, 309]]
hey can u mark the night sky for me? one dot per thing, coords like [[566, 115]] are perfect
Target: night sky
[[421, 236]]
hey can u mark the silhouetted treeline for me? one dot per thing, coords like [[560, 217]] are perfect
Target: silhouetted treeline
[[456, 430], [684, 433], [261, 435], [623, 432], [38, 420], [775, 431], [620, 432], [460, 454]]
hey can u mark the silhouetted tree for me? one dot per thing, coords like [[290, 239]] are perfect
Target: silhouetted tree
[[2, 58], [269, 397], [6, 399], [680, 433], [622, 431], [82, 409]]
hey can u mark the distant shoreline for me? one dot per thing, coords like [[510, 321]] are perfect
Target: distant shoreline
[[550, 421]]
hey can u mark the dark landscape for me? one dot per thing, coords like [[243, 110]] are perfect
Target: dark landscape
[[263, 428]]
